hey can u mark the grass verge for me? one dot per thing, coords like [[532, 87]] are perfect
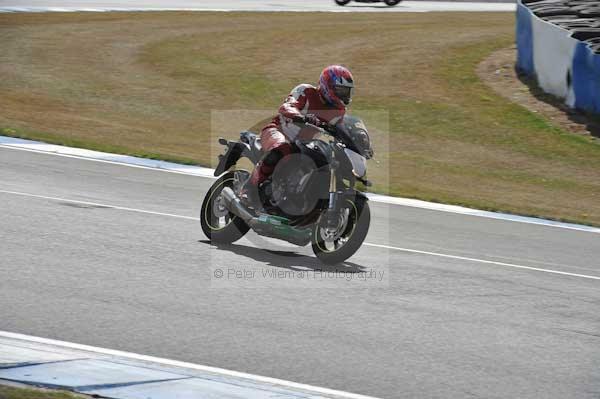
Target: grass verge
[[9, 392], [154, 85]]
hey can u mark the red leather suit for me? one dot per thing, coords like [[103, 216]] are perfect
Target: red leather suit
[[277, 135]]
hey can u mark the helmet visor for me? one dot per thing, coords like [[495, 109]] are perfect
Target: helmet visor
[[344, 93]]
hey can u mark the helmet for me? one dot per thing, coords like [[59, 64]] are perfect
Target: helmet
[[336, 85]]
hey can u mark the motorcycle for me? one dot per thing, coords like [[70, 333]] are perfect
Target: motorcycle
[[387, 2], [311, 197]]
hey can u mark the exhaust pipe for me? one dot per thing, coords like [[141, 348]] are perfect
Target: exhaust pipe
[[264, 225], [232, 202]]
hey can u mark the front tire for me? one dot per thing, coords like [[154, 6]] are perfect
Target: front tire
[[342, 2], [391, 2], [336, 249], [218, 224]]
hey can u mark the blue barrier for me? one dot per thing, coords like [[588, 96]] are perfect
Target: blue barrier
[[586, 78], [524, 40], [543, 22]]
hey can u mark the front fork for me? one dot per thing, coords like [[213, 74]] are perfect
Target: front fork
[[333, 210]]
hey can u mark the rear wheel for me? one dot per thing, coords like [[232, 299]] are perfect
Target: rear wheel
[[342, 2], [218, 224], [391, 2], [335, 246]]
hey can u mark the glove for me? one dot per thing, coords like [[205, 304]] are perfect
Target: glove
[[313, 119], [298, 119], [309, 118]]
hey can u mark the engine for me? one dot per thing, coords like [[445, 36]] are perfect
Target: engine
[[285, 189]]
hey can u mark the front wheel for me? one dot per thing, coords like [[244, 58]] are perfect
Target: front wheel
[[218, 224], [342, 2], [391, 2], [335, 246]]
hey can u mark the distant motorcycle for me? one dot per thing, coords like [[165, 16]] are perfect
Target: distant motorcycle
[[310, 198], [388, 2]]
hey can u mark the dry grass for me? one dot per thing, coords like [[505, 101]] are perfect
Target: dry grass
[[146, 84], [13, 392]]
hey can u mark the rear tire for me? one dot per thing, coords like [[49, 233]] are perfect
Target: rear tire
[[218, 224], [391, 2], [355, 232], [342, 2]]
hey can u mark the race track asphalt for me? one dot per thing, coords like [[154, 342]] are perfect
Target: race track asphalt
[[252, 5], [433, 327]]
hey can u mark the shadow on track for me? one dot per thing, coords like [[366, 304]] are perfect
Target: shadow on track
[[285, 259]]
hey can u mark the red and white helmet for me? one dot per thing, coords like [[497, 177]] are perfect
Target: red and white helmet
[[336, 85]]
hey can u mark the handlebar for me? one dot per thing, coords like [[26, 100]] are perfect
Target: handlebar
[[323, 129]]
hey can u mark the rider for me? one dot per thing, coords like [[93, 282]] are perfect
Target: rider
[[325, 104]]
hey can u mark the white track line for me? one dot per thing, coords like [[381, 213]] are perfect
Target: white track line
[[121, 208], [192, 366], [170, 167], [10, 143], [490, 262]]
